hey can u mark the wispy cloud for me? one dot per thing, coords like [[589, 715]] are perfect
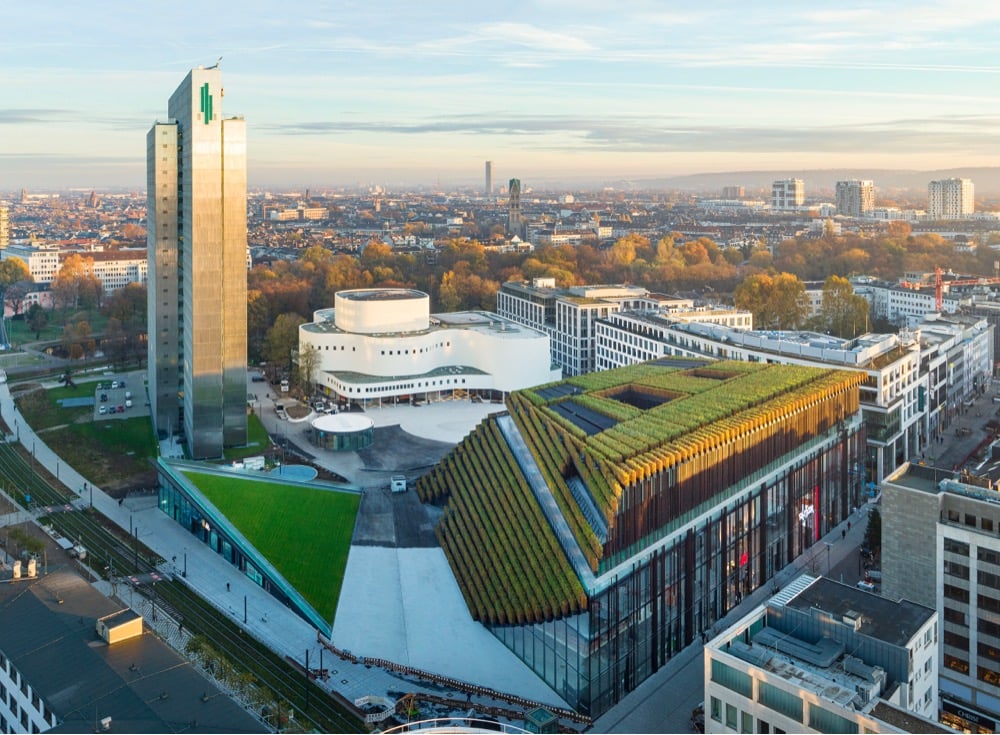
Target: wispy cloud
[[14, 116], [556, 132]]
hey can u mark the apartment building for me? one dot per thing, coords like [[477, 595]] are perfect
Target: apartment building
[[855, 197], [950, 198]]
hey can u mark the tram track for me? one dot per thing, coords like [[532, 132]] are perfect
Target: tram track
[[114, 553]]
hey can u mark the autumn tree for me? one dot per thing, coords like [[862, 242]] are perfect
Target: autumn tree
[[77, 340], [13, 270], [127, 305], [37, 319], [776, 302], [309, 361], [843, 313], [282, 338], [15, 295], [75, 285]]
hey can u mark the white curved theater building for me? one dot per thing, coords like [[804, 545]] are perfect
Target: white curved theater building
[[384, 344]]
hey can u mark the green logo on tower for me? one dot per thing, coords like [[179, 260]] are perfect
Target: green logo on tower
[[206, 104]]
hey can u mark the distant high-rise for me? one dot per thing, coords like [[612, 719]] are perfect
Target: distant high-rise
[[788, 193], [489, 177], [950, 198], [855, 197], [196, 197], [514, 208], [733, 192], [4, 227]]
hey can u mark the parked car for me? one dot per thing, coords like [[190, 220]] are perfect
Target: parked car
[[102, 410]]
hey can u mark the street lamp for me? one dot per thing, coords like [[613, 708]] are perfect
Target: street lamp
[[185, 562], [828, 547]]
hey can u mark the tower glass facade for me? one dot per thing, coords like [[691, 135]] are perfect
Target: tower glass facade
[[197, 224]]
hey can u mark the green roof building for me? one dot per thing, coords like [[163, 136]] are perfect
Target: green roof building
[[607, 520]]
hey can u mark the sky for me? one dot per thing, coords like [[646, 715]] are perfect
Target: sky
[[423, 93]]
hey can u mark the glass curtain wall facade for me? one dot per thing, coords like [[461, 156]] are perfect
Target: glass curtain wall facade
[[646, 615], [197, 229]]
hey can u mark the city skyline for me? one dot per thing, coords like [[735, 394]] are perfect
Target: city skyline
[[549, 91]]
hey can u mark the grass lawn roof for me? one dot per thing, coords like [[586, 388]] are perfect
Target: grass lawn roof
[[305, 532], [604, 432]]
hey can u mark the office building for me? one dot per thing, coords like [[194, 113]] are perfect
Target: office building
[[606, 521], [197, 250], [382, 345], [489, 178], [821, 656], [855, 198], [940, 548], [514, 224], [114, 268], [788, 194], [733, 192], [567, 315], [4, 226], [950, 198]]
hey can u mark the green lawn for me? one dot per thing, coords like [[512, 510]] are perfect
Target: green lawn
[[112, 454], [41, 408], [19, 333], [257, 440], [304, 532]]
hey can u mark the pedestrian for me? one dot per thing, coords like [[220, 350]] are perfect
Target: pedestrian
[[227, 586], [843, 533], [848, 525]]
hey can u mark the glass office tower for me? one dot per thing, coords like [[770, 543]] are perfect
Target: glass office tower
[[197, 287]]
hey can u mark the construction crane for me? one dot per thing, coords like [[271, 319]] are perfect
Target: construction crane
[[939, 285]]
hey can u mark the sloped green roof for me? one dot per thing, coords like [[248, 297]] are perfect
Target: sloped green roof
[[304, 532], [506, 556]]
